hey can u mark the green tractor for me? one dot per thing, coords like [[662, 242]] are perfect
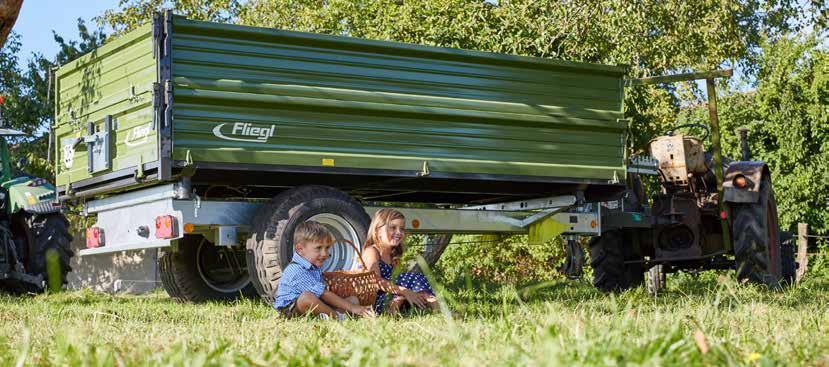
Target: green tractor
[[34, 235]]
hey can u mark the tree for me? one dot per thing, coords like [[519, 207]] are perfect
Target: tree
[[792, 97], [29, 106], [9, 9], [131, 14], [652, 37], [788, 124]]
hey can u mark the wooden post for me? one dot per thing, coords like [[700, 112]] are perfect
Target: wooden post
[[802, 247], [716, 151]]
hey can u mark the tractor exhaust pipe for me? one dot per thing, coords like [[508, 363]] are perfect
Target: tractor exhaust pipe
[[745, 154]]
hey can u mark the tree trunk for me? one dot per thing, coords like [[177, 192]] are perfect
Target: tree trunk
[[8, 16], [435, 245]]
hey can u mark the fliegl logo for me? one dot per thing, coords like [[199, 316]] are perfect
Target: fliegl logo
[[244, 131]]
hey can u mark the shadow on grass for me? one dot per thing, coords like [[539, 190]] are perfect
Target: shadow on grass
[[717, 289]]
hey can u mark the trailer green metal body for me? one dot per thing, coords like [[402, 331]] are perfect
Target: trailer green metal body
[[266, 108]]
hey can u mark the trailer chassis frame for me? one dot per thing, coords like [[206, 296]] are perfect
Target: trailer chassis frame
[[126, 220]]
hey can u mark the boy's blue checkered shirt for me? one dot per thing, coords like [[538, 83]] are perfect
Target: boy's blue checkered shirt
[[299, 276]]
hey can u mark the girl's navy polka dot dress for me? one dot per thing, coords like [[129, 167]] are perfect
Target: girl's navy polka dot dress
[[414, 281]]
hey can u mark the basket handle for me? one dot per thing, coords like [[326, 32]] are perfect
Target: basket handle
[[358, 252]]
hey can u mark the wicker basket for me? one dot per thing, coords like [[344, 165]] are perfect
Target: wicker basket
[[358, 283]]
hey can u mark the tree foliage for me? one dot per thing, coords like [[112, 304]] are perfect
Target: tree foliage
[[652, 37], [788, 121], [29, 106], [793, 129], [131, 14]]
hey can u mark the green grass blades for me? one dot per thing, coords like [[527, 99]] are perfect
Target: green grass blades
[[53, 271], [698, 321]]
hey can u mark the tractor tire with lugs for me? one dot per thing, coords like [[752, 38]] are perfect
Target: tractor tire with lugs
[[201, 272], [46, 234], [757, 247], [608, 254]]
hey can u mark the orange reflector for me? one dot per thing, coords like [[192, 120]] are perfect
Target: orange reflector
[[740, 182], [415, 223], [189, 227], [593, 224]]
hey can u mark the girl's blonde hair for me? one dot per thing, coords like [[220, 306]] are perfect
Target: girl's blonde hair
[[381, 219]]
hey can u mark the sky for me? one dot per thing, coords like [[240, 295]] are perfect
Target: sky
[[38, 18]]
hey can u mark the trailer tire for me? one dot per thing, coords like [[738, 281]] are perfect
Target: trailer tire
[[607, 257], [270, 247], [186, 276], [45, 233], [757, 249]]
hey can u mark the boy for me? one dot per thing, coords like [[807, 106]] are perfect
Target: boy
[[301, 288]]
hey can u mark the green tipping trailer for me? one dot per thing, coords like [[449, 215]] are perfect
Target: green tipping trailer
[[174, 136], [260, 107]]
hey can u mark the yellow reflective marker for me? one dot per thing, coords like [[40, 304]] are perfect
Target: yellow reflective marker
[[328, 162], [545, 230], [30, 198]]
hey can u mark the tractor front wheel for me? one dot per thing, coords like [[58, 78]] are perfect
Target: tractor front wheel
[[608, 256], [45, 242]]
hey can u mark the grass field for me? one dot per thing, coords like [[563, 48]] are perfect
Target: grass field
[[706, 320]]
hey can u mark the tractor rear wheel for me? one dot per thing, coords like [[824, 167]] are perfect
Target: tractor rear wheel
[[788, 256], [608, 254], [757, 248]]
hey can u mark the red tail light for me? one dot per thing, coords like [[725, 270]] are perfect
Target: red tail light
[[166, 227], [94, 237]]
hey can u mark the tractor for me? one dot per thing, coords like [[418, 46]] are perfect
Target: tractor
[[34, 235], [709, 212]]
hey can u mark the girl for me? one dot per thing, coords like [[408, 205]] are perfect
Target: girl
[[382, 252]]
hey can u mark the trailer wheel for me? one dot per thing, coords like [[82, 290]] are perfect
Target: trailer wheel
[[607, 257], [757, 249], [271, 246], [200, 272]]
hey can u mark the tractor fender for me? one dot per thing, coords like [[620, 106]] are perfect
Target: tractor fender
[[31, 195], [753, 171], [44, 207]]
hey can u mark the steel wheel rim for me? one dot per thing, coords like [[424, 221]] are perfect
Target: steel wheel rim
[[342, 255], [240, 279]]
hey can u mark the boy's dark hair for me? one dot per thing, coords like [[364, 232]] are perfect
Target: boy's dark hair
[[311, 231]]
